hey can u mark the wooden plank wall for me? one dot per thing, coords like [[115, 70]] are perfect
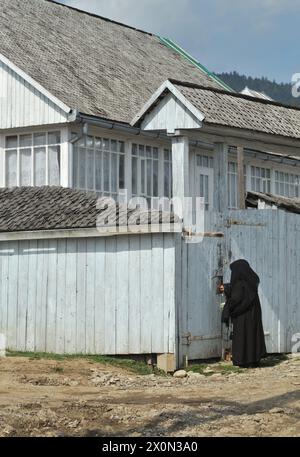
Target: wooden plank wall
[[270, 241], [101, 295], [22, 105]]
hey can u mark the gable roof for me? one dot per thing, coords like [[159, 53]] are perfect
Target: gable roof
[[91, 64], [59, 208], [222, 108]]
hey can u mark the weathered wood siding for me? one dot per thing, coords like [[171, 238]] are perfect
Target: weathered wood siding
[[270, 241], [21, 105], [170, 114], [111, 295]]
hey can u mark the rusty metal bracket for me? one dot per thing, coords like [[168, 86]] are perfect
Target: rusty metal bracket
[[190, 338], [230, 222]]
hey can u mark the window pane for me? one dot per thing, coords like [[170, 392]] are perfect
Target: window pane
[[11, 142], [106, 144], [98, 143], [114, 173], [142, 151], [167, 179], [25, 141], [40, 166], [54, 165], [25, 167], [11, 168], [54, 138], [82, 168], [75, 166], [106, 169], [143, 170], [149, 177], [39, 139], [98, 170], [121, 147], [134, 149], [134, 175], [113, 146], [90, 170], [90, 142], [155, 178], [121, 172]]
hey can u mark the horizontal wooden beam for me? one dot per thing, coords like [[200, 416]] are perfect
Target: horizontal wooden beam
[[251, 140]]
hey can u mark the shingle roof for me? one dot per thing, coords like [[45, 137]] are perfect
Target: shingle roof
[[288, 204], [240, 111], [91, 64], [58, 208]]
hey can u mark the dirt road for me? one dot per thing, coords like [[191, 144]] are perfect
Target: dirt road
[[80, 398]]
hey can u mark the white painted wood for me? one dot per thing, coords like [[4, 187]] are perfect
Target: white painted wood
[[157, 98], [180, 174], [89, 296], [220, 176], [169, 115], [23, 104]]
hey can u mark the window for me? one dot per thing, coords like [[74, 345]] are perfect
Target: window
[[232, 185], [286, 184], [99, 165], [168, 182], [144, 167], [32, 159], [205, 161], [260, 179]]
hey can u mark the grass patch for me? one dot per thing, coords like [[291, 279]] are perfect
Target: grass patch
[[221, 367], [273, 360], [128, 364]]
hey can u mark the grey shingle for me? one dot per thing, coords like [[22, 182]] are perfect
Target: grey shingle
[[239, 111], [50, 208], [91, 64]]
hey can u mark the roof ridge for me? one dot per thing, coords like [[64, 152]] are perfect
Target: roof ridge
[[233, 94], [97, 16]]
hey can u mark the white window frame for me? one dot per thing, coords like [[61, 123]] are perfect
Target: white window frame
[[32, 147]]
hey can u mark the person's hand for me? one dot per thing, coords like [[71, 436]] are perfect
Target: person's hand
[[221, 289]]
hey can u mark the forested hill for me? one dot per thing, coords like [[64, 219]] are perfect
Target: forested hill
[[279, 92]]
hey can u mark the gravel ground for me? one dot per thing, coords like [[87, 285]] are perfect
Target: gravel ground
[[80, 398]]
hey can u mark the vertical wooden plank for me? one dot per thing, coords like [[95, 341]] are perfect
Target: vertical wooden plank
[[80, 300], [32, 287], [122, 303], [51, 254], [158, 292], [100, 288], [22, 294], [61, 314], [110, 296], [169, 292], [146, 294], [13, 261], [134, 277], [71, 287], [90, 296]]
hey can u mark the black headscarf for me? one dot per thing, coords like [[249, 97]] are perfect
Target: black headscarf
[[241, 271]]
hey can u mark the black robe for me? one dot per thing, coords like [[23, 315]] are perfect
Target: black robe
[[244, 309]]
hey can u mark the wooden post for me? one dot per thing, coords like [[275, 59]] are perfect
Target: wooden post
[[241, 178], [220, 176], [180, 174]]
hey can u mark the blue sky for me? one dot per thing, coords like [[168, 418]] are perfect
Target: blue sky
[[253, 37]]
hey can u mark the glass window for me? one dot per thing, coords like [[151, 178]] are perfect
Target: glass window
[[145, 171], [260, 179], [33, 159], [287, 184]]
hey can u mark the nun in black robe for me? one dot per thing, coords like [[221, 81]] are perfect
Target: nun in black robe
[[244, 309]]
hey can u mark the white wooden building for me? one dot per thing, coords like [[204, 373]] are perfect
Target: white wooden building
[[126, 114]]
